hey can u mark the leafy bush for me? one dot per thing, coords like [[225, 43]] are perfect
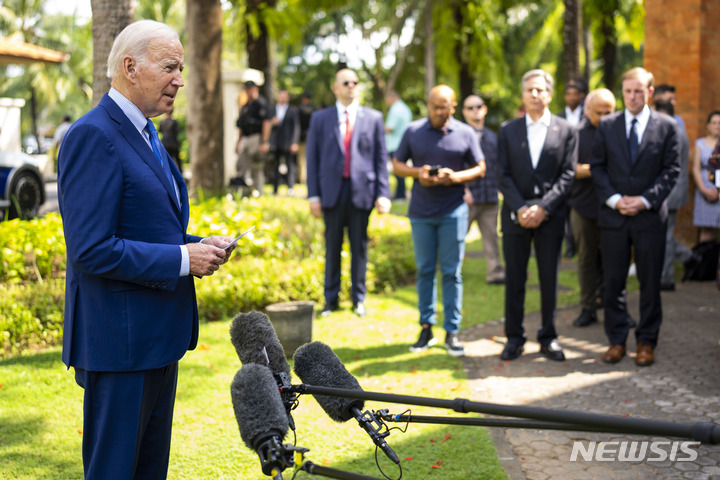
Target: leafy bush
[[31, 315], [31, 250], [281, 260]]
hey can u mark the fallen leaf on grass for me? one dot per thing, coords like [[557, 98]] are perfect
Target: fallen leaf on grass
[[447, 436], [203, 347]]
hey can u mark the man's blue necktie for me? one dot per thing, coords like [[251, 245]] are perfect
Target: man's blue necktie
[[159, 151], [633, 143]]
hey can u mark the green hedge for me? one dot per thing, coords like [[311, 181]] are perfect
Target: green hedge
[[282, 259]]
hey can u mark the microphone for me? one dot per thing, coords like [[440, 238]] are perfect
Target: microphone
[[256, 342], [316, 364], [261, 417]]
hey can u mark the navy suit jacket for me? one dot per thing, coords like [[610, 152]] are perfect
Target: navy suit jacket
[[326, 159], [652, 176], [287, 132], [126, 308], [552, 177]]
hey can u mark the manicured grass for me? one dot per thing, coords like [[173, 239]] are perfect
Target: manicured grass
[[41, 407]]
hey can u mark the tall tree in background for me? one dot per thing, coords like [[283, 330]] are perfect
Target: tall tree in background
[[571, 40], [258, 42], [109, 18], [204, 92]]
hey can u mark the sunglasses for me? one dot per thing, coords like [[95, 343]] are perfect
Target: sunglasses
[[474, 107], [348, 83]]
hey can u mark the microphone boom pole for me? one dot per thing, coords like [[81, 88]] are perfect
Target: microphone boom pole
[[704, 432]]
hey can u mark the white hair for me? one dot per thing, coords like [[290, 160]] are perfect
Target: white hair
[[134, 40]]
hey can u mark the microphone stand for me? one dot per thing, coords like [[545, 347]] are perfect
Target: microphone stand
[[493, 422], [314, 469], [704, 432]]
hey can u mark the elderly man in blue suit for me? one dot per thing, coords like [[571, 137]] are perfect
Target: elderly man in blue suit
[[130, 308], [346, 177]]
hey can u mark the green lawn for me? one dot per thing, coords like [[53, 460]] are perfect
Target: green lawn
[[41, 407]]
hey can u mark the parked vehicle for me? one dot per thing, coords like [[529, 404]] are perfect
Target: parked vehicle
[[22, 189]]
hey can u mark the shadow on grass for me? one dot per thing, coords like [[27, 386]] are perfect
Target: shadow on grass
[[382, 362], [423, 456], [47, 359], [16, 462]]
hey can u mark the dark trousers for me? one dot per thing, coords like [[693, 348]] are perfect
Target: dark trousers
[[516, 248], [587, 243], [648, 248], [343, 216], [127, 423], [290, 163]]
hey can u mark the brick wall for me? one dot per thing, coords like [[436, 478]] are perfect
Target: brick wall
[[682, 48]]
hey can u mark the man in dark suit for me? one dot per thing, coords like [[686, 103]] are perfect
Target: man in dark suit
[[635, 163], [130, 309], [537, 154], [584, 208], [575, 91], [346, 177], [284, 141]]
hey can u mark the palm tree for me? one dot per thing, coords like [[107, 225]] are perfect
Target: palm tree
[[109, 19]]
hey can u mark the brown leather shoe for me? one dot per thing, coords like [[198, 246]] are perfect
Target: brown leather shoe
[[614, 354], [645, 355]]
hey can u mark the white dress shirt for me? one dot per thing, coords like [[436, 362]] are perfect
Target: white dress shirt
[[537, 132], [573, 117], [642, 121]]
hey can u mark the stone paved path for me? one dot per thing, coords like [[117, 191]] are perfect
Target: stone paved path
[[682, 386]]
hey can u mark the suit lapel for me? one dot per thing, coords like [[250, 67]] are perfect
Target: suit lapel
[[338, 133], [138, 143], [650, 130], [621, 134], [522, 136], [551, 139]]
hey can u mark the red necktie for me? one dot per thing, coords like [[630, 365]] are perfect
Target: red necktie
[[348, 137]]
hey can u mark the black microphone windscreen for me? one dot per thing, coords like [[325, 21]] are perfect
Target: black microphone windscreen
[[317, 365], [249, 333], [258, 407]]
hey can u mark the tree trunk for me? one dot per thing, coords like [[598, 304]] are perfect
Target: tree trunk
[[258, 47], [109, 17], [466, 77], [609, 39], [429, 48], [587, 46], [571, 40], [204, 90]]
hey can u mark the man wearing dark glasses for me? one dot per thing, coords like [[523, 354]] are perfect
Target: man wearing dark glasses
[[347, 177], [482, 194]]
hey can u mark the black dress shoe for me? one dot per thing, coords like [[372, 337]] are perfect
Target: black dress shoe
[[667, 287], [511, 352], [587, 317], [553, 351], [359, 309], [329, 308]]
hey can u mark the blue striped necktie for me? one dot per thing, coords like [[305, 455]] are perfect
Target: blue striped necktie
[[159, 151]]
